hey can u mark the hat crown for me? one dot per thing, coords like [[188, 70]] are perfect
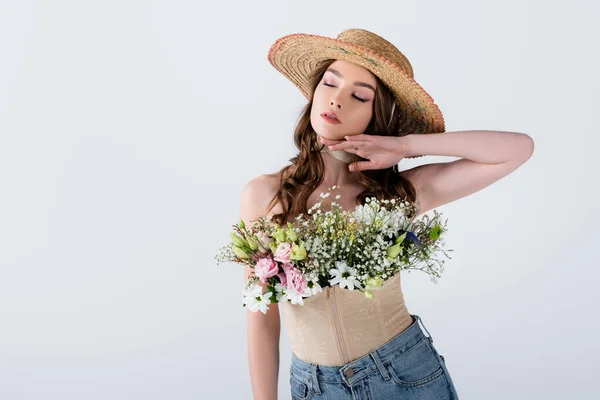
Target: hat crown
[[297, 55], [377, 44]]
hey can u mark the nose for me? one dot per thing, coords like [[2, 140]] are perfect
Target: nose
[[332, 103]]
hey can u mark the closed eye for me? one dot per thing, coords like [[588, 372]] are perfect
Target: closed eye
[[356, 97]]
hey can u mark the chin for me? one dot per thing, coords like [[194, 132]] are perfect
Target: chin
[[330, 136], [329, 133]]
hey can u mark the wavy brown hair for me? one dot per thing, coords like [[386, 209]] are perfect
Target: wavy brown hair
[[296, 187]]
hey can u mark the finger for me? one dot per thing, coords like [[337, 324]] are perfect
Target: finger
[[361, 166], [352, 150], [348, 146], [360, 136]]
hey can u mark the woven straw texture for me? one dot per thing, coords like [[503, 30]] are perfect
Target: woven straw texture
[[297, 54]]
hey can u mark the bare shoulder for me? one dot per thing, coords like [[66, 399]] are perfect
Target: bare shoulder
[[257, 195], [255, 199]]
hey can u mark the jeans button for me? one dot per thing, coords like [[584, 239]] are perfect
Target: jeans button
[[349, 372]]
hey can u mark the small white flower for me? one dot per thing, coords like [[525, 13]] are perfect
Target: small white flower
[[314, 290], [344, 275], [279, 292], [255, 299], [294, 296]]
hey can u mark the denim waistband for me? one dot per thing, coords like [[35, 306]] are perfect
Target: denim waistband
[[312, 374]]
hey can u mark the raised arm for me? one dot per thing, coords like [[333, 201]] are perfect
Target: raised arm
[[263, 329], [487, 156]]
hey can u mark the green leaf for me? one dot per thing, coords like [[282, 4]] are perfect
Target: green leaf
[[435, 232]]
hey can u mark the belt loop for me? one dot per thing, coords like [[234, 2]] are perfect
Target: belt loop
[[429, 334], [379, 364], [315, 382]]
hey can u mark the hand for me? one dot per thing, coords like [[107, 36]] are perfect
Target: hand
[[381, 151]]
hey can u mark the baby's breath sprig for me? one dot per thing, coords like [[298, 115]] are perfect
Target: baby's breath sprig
[[357, 250], [373, 242]]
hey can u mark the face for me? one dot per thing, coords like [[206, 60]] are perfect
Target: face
[[348, 90]]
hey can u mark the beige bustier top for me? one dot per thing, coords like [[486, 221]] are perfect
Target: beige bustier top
[[340, 325]]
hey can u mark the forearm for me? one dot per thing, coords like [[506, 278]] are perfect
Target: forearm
[[263, 359], [482, 146]]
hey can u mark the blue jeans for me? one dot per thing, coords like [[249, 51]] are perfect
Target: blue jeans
[[408, 366]]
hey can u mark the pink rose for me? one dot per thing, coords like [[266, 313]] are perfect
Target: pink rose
[[283, 252], [265, 268], [282, 278], [294, 277]]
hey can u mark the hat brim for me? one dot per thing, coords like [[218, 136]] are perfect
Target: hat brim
[[296, 55]]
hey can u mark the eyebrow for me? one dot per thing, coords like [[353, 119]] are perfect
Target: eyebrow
[[357, 83]]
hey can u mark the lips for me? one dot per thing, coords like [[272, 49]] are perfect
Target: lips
[[330, 114]]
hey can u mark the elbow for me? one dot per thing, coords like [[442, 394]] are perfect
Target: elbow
[[521, 150], [526, 147]]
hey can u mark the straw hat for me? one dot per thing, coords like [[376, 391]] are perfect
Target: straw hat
[[297, 54]]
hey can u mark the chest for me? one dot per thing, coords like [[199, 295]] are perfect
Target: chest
[[347, 196]]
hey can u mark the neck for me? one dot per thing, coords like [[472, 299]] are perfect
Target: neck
[[336, 167], [341, 155]]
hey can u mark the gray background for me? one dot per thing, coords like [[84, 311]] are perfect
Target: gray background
[[128, 129]]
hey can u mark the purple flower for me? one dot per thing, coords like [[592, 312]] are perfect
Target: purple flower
[[412, 237]]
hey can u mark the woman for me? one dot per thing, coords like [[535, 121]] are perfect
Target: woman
[[365, 113]]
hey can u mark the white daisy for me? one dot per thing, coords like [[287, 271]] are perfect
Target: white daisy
[[294, 296], [314, 290], [255, 299], [279, 292], [344, 275]]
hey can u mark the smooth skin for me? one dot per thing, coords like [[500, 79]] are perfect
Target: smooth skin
[[485, 157]]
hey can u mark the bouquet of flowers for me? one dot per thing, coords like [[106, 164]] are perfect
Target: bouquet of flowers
[[356, 250]]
